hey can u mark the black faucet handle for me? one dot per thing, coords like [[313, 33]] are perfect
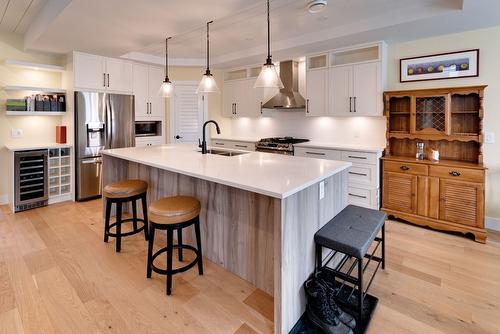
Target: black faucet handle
[[199, 143]]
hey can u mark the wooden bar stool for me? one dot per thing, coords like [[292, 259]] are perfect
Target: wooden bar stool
[[121, 192], [170, 214]]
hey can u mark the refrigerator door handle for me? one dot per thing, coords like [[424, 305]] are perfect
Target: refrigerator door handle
[[109, 122]]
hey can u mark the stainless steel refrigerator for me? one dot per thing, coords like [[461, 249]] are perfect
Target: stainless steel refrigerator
[[102, 121]]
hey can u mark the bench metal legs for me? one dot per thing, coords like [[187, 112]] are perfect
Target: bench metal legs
[[342, 271]]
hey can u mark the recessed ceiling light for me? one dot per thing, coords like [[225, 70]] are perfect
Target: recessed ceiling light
[[316, 6]]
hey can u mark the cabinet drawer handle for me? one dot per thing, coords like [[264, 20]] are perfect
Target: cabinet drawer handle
[[244, 146], [307, 106], [359, 196], [216, 143], [356, 157], [315, 153], [404, 167], [454, 173], [361, 174]]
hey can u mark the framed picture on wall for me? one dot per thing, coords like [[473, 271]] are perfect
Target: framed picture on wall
[[449, 65]]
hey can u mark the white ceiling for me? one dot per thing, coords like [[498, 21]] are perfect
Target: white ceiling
[[238, 35], [17, 15]]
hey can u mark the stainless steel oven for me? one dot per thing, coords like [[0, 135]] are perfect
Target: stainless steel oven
[[147, 128], [31, 179]]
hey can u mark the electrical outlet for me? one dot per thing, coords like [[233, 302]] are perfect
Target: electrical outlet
[[321, 189], [16, 133], [489, 137]]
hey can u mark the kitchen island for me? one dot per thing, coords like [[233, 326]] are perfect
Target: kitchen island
[[259, 210]]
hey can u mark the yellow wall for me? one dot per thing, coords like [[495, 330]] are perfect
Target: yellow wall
[[37, 129], [214, 100], [487, 41]]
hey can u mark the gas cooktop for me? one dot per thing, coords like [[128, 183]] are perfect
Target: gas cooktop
[[283, 145]]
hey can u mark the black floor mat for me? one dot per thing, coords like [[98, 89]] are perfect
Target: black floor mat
[[304, 326]]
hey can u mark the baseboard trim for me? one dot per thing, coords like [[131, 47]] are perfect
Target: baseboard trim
[[492, 223], [4, 199]]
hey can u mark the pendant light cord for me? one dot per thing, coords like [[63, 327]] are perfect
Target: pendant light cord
[[166, 59], [269, 57], [208, 48]]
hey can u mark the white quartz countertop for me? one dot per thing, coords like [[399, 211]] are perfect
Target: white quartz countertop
[[22, 147], [345, 147], [269, 174]]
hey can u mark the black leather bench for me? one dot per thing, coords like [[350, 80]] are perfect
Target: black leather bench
[[351, 233]]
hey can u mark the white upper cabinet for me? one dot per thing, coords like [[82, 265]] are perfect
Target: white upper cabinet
[[101, 73], [354, 85], [146, 84], [367, 89], [317, 85], [240, 99], [89, 71], [118, 75], [355, 90], [156, 76], [140, 89], [340, 90], [228, 99], [317, 92]]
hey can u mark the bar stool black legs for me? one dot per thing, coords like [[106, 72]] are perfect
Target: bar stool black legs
[[169, 250], [119, 221], [198, 245]]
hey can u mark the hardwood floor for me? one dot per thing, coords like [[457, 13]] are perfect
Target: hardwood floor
[[57, 276]]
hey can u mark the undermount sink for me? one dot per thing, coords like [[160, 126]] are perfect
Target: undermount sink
[[225, 153]]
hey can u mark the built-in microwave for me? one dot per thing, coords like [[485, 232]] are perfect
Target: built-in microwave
[[147, 128]]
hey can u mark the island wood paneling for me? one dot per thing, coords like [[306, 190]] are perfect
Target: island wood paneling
[[303, 214], [265, 240], [237, 226]]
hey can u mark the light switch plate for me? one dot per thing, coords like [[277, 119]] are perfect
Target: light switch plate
[[489, 137], [16, 133], [321, 189]]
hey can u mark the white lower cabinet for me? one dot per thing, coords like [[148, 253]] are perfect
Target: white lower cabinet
[[148, 141], [368, 198], [364, 174]]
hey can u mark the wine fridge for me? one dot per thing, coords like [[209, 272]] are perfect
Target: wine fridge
[[30, 175]]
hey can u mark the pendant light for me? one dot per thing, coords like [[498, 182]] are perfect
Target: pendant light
[[166, 88], [207, 83], [268, 77]]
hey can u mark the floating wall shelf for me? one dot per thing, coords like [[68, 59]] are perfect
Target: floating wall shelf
[[35, 113], [34, 66], [35, 89]]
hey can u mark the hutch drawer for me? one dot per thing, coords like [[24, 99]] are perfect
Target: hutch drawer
[[404, 167], [458, 173]]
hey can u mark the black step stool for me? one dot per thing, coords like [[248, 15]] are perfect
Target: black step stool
[[351, 233]]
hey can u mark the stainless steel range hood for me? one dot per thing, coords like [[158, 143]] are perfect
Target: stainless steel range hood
[[289, 96]]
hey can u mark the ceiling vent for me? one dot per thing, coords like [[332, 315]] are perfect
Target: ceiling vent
[[316, 6]]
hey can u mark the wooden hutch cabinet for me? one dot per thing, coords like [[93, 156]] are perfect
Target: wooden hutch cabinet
[[447, 194]]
